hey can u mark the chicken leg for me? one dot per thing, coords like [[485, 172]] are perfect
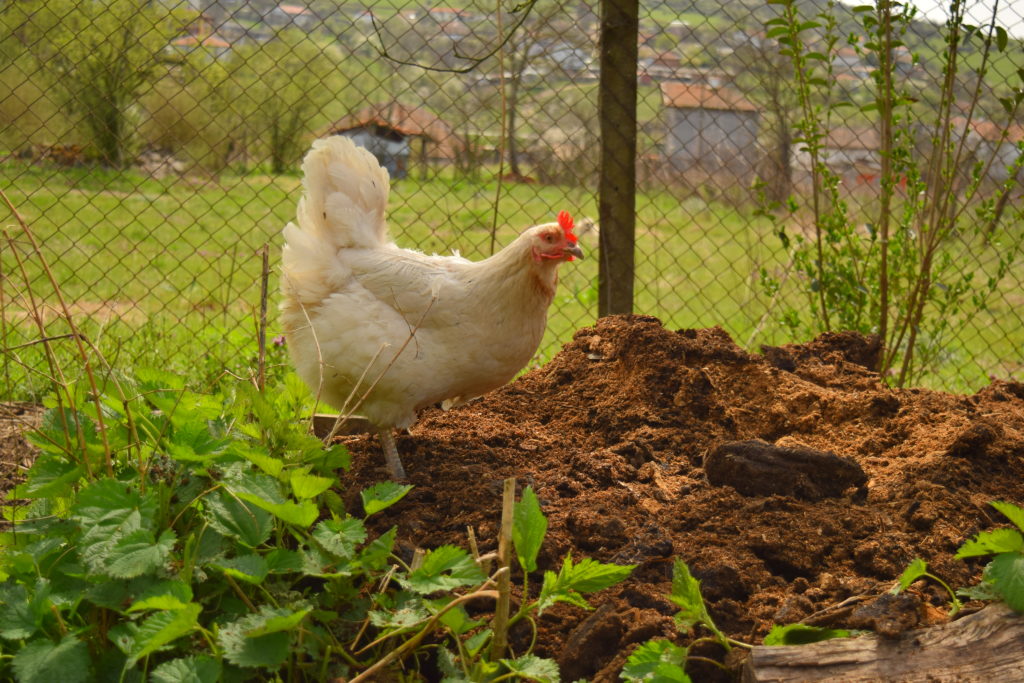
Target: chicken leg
[[387, 440]]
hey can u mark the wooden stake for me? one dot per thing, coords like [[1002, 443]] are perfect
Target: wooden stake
[[500, 624], [264, 278]]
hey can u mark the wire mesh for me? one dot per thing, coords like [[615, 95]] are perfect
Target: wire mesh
[[153, 148]]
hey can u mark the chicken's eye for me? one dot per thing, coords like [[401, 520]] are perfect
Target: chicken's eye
[[549, 238]]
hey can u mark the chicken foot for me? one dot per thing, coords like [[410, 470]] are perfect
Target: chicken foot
[[387, 440]]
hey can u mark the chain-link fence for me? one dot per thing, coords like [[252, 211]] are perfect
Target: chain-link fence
[[152, 147]]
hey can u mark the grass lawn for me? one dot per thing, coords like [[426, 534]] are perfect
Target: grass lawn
[[167, 273]]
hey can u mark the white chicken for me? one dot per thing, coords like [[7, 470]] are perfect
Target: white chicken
[[393, 329]]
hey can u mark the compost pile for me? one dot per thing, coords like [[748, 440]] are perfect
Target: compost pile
[[623, 433]]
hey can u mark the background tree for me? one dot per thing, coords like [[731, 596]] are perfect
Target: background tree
[[767, 77], [278, 89], [100, 57]]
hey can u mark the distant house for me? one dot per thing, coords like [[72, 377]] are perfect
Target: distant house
[[710, 129], [285, 15], [852, 153], [388, 131], [201, 35]]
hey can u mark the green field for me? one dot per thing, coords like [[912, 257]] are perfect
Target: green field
[[167, 273]]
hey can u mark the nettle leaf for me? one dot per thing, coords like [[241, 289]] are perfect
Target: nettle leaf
[[657, 660], [399, 611], [316, 562], [258, 455], [156, 382], [336, 457], [139, 553], [278, 619], [475, 643], [914, 571], [686, 595], [20, 614], [529, 526], [1011, 512], [1006, 572], [992, 543], [43, 661], [283, 561], [249, 568], [533, 668], [107, 511], [299, 514], [382, 495], [237, 519], [118, 595], [376, 553], [58, 431], [162, 628], [983, 591], [106, 501], [340, 536], [590, 575], [586, 577], [163, 595], [266, 650], [264, 492], [802, 634], [192, 441], [305, 485], [455, 619], [122, 635], [201, 669], [444, 568], [50, 476]]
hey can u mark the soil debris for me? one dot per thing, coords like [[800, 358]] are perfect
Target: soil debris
[[618, 435]]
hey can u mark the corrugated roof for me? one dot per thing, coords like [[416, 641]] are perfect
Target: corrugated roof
[[694, 96]]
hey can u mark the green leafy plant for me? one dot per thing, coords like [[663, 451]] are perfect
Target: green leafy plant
[[1003, 577], [215, 548], [659, 659], [893, 271], [918, 569], [469, 660]]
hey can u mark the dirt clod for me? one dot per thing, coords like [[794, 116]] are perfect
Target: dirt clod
[[757, 468]]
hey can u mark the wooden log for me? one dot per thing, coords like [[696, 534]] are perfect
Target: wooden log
[[323, 423], [984, 647]]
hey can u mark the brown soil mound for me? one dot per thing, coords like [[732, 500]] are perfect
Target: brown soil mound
[[614, 435]]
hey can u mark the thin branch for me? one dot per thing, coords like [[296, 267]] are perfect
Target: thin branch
[[525, 7]]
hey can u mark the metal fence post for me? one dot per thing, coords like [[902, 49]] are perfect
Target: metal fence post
[[617, 97]]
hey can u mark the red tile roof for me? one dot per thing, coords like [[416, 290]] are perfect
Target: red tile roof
[[693, 96], [410, 121]]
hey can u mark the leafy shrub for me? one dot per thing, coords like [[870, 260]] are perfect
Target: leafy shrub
[[173, 535]]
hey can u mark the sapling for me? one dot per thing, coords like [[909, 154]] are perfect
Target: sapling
[[471, 661], [918, 569]]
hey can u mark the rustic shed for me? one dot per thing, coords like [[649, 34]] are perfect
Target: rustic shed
[[710, 129], [389, 129]]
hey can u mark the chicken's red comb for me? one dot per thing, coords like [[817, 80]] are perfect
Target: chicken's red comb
[[566, 223]]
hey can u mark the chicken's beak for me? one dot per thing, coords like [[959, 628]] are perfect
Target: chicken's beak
[[575, 250]]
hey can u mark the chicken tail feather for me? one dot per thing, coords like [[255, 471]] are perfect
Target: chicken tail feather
[[342, 207]]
